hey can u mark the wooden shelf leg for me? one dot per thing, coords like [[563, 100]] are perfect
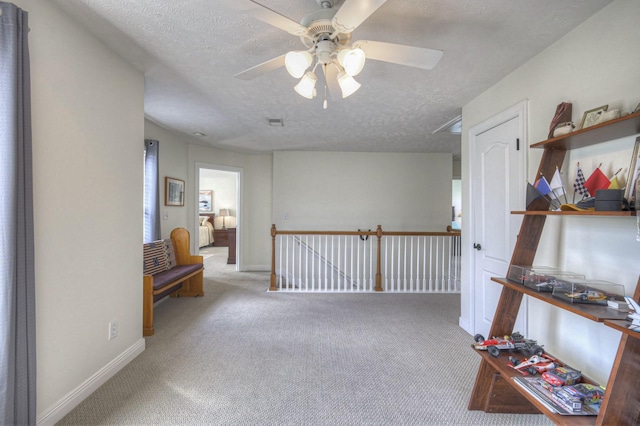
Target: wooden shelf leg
[[621, 405]]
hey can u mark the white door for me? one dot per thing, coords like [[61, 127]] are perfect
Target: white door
[[499, 185]]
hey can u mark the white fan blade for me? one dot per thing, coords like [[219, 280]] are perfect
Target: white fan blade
[[331, 80], [264, 14], [353, 13], [263, 68], [410, 56]]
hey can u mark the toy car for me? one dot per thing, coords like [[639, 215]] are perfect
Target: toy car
[[562, 376], [515, 342], [534, 364], [582, 393], [587, 295]]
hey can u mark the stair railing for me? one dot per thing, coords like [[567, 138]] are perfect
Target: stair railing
[[365, 261]]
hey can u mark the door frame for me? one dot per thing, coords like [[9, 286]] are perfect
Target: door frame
[[519, 111], [239, 214]]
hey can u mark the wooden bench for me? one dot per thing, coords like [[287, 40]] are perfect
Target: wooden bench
[[177, 275]]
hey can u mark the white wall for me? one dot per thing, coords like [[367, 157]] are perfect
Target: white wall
[[598, 63], [87, 111], [349, 191]]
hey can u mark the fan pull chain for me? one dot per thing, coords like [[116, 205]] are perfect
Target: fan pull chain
[[324, 104]]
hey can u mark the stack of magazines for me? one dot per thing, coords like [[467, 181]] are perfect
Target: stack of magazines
[[534, 385]]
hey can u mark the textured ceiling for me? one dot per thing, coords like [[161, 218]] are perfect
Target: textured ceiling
[[189, 51]]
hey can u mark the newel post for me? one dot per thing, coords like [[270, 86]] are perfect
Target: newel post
[[378, 274], [272, 286]]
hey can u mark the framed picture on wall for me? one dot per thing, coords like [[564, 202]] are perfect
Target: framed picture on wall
[[173, 191], [206, 201]]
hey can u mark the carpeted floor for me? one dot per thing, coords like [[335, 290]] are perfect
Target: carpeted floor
[[244, 356]]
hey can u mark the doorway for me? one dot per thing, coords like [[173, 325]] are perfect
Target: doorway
[[218, 196]]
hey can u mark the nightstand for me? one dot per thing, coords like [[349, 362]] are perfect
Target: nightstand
[[221, 237], [226, 238]]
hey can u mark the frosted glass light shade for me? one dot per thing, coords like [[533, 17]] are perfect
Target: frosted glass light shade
[[352, 60], [347, 84], [307, 85], [297, 63]]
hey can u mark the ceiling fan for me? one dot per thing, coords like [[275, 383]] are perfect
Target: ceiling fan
[[326, 36]]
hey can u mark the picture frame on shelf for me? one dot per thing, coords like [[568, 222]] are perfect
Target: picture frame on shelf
[[632, 176], [173, 191], [589, 118], [205, 201]]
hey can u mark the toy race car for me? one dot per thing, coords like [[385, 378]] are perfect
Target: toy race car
[[587, 296], [534, 364], [515, 342], [562, 376], [577, 395]]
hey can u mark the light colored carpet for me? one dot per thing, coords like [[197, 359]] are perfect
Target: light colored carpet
[[243, 356]]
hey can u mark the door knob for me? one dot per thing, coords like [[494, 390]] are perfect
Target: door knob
[[477, 246]]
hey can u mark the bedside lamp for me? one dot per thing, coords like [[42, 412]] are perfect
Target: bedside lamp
[[224, 213]]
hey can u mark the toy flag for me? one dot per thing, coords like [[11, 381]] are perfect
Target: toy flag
[[596, 181], [578, 186], [556, 185], [614, 184], [542, 186], [532, 194]]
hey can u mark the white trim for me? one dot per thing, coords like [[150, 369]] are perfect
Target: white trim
[[239, 213], [57, 411], [520, 111], [257, 268]]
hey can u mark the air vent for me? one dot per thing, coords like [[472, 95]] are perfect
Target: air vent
[[275, 122]]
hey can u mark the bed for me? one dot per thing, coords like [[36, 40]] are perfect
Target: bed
[[205, 231]]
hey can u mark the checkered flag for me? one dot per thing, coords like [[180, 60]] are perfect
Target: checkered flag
[[578, 186]]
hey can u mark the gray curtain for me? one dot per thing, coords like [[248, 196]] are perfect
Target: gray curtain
[[151, 192], [17, 283]]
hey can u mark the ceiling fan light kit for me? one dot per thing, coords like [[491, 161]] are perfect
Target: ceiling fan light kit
[[297, 63], [326, 33], [352, 60], [348, 84], [307, 86]]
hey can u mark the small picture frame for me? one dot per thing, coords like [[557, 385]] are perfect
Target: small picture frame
[[205, 201], [634, 170], [589, 118], [173, 192]]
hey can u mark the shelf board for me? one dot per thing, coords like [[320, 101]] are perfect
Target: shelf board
[[621, 213], [596, 313], [614, 129], [499, 364]]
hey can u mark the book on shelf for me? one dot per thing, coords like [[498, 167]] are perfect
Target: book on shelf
[[534, 386]]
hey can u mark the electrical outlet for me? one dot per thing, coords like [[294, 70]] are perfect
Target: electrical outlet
[[113, 329], [286, 216]]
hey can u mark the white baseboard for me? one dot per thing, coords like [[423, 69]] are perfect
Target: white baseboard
[[257, 268], [57, 411], [464, 324]]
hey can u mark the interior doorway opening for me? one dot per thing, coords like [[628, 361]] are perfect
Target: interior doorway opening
[[218, 195]]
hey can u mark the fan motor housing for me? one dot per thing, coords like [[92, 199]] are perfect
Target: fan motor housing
[[318, 23]]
